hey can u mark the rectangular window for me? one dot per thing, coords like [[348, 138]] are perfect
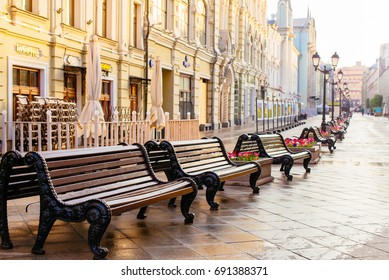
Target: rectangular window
[[135, 25], [26, 83], [184, 19], [161, 12], [201, 22], [134, 98], [27, 5], [104, 19], [70, 87], [105, 99], [186, 103], [71, 12]]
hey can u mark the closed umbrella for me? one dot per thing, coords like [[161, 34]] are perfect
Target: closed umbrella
[[157, 116], [93, 90]]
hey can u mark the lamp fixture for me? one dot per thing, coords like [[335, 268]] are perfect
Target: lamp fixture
[[325, 72]]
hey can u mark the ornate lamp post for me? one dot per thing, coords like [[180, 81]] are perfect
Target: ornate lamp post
[[333, 83], [345, 88], [272, 111], [267, 107], [278, 111], [326, 72], [264, 85]]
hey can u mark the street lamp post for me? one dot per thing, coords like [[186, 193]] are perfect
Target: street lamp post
[[268, 126], [272, 111], [345, 88], [326, 72], [264, 85], [333, 83], [277, 112]]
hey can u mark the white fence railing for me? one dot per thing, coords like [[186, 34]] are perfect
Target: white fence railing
[[48, 136]]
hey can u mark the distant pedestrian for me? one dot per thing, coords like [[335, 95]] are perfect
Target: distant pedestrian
[[363, 111]]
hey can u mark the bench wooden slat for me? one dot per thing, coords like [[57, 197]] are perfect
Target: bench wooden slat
[[91, 180]]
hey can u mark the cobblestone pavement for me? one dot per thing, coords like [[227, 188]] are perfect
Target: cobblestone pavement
[[338, 211]]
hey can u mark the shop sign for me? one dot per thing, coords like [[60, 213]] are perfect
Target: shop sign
[[27, 50], [106, 67]]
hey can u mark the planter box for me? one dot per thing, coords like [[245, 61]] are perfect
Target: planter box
[[265, 173], [315, 150]]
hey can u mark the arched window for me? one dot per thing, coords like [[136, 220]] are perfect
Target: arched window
[[201, 22], [184, 19]]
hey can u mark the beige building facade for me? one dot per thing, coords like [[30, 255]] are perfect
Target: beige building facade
[[354, 76], [214, 55]]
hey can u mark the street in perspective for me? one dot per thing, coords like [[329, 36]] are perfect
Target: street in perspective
[[213, 138], [337, 211]]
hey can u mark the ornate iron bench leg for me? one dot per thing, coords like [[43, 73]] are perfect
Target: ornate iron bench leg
[[8, 160], [221, 187], [45, 225], [305, 163], [186, 202], [331, 146], [172, 202], [212, 182], [98, 216], [210, 196], [6, 242], [288, 164], [142, 213], [253, 181]]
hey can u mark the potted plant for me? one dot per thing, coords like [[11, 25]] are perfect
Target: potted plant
[[298, 144], [245, 157]]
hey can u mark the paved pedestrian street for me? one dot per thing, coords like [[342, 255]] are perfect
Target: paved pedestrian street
[[338, 211]]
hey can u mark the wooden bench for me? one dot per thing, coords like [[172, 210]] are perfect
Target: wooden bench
[[336, 130], [273, 146], [90, 184], [314, 132], [204, 160]]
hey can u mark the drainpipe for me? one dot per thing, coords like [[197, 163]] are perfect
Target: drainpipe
[[213, 74], [146, 33]]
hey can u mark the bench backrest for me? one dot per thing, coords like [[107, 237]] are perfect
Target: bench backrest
[[196, 155], [246, 144], [17, 179], [317, 132], [270, 145], [80, 169], [304, 133]]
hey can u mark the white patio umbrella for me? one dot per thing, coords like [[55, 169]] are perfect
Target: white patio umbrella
[[93, 90], [157, 116]]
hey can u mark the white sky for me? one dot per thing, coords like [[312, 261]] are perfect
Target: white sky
[[355, 29]]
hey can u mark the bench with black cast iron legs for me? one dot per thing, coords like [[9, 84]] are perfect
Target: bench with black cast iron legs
[[273, 146], [90, 184], [204, 160]]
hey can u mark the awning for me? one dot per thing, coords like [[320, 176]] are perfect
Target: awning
[[74, 69], [137, 80]]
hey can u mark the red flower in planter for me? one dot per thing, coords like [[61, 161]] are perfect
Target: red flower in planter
[[243, 156], [299, 143]]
